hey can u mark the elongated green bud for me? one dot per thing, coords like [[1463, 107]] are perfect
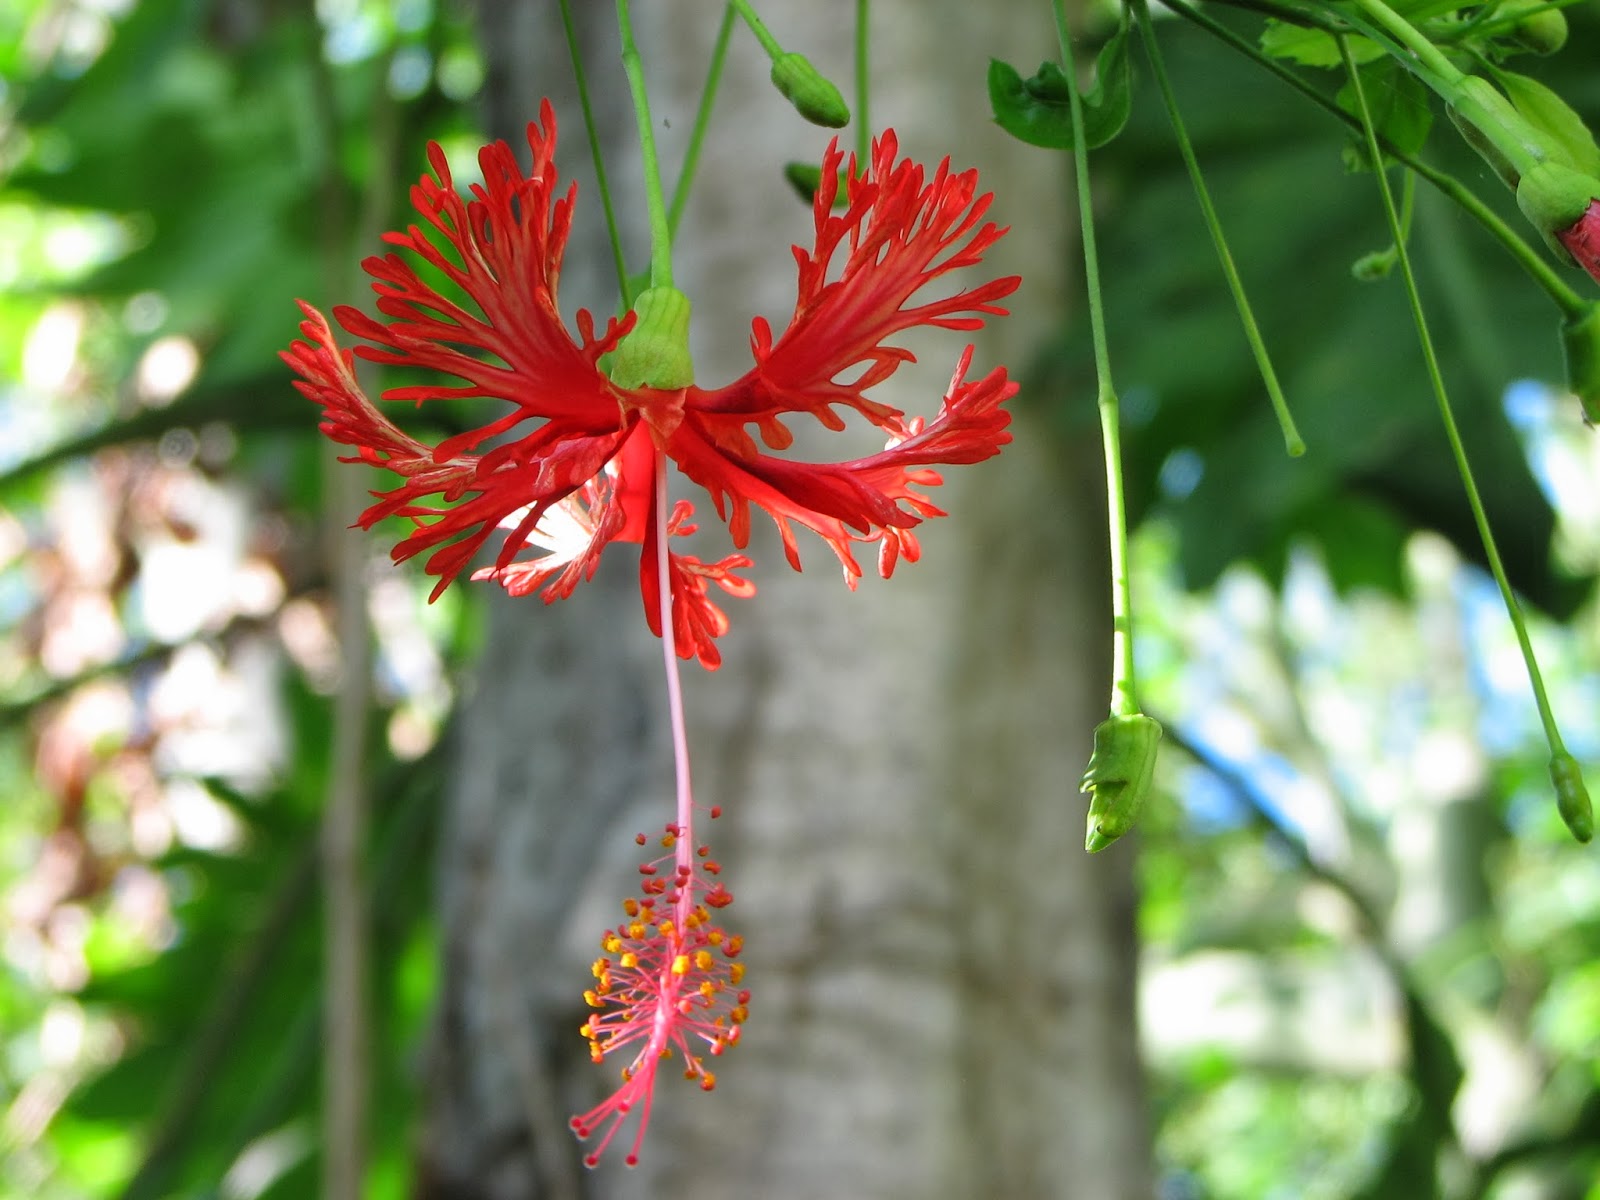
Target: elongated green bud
[[809, 90], [1580, 339], [1120, 775], [1485, 147], [656, 351], [1542, 27], [1572, 798]]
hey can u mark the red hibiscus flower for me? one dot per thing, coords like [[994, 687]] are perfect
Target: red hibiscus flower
[[1582, 239], [570, 467]]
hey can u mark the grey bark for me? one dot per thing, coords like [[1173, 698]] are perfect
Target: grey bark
[[944, 983]]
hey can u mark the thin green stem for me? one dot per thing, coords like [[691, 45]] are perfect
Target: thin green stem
[[1124, 689], [863, 82], [1565, 298], [768, 42], [702, 118], [1452, 433], [655, 201], [1291, 436], [594, 150]]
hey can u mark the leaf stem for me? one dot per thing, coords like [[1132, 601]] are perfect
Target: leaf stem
[[1452, 433], [594, 151], [1293, 443], [655, 201], [1124, 690], [702, 118]]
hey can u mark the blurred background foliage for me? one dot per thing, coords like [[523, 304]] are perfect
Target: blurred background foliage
[[1372, 955]]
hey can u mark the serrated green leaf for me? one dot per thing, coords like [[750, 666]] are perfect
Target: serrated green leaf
[[1038, 110], [1555, 118]]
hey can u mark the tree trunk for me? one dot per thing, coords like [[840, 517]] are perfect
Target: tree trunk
[[943, 982]]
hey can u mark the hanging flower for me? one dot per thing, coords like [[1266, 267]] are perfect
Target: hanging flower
[[1582, 239], [570, 468]]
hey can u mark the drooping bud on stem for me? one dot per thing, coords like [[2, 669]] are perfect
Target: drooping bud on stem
[[1121, 772], [1572, 797], [810, 91], [1580, 338]]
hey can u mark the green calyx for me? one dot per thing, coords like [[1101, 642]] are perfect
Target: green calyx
[[814, 97], [655, 353], [1120, 775], [1554, 198], [1580, 339], [1572, 797]]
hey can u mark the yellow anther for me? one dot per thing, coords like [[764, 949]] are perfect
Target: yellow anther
[[592, 998], [665, 929], [703, 959], [611, 943], [668, 840], [715, 937], [680, 965], [735, 972], [631, 907], [707, 988], [739, 1014], [636, 931], [599, 967], [630, 960]]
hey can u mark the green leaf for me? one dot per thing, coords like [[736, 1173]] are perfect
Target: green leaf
[[1313, 47], [1398, 102], [1038, 110], [1554, 117]]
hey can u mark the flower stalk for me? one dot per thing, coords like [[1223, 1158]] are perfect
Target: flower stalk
[[1121, 768], [1572, 797]]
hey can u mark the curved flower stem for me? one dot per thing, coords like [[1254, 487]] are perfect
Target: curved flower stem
[[684, 845], [1124, 692], [655, 201], [1572, 305], [1291, 436], [1430, 358], [594, 151], [763, 35], [702, 118], [863, 83]]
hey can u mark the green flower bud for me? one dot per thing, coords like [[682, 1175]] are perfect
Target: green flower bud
[[1580, 339], [1572, 798], [1555, 198], [1541, 27], [656, 351], [1120, 775], [1486, 148], [806, 179], [805, 87]]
